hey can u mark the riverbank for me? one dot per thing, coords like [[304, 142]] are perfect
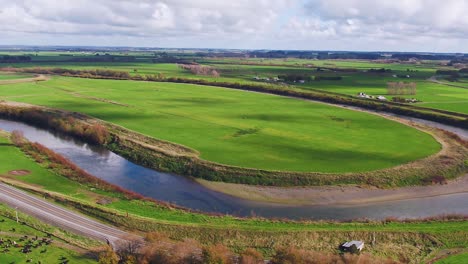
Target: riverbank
[[336, 195], [169, 157], [345, 195], [389, 237]]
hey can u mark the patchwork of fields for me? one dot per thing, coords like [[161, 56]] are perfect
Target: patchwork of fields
[[430, 94]]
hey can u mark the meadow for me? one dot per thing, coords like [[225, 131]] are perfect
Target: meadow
[[238, 128], [56, 252], [6, 76], [455, 259]]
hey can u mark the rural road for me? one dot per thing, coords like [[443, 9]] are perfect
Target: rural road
[[434, 80], [58, 216]]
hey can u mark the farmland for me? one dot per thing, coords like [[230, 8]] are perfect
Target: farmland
[[429, 94], [4, 76], [180, 224], [51, 252], [248, 130], [237, 128]]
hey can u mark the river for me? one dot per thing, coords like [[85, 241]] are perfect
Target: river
[[185, 192]]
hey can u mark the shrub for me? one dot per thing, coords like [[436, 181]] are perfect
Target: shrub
[[108, 256], [251, 256], [17, 137], [217, 254]]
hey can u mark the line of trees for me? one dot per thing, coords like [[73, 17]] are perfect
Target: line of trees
[[14, 59], [198, 69], [157, 248], [401, 88], [94, 133]]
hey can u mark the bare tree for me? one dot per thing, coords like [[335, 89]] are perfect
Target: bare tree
[[128, 248]]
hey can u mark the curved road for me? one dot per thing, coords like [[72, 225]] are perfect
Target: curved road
[[58, 216]]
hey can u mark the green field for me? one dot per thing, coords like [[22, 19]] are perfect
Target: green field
[[431, 95], [5, 76], [56, 252], [235, 127], [455, 259]]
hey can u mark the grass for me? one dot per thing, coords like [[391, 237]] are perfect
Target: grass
[[9, 229], [432, 95], [455, 259], [6, 76], [238, 128]]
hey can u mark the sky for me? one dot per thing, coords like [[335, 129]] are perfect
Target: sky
[[358, 25]]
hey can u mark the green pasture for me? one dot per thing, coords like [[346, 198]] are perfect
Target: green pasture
[[7, 76], [53, 253], [455, 259], [235, 127]]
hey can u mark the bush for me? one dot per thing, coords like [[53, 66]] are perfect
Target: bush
[[217, 254], [251, 256], [17, 137]]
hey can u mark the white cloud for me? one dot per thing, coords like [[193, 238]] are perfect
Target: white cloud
[[305, 24]]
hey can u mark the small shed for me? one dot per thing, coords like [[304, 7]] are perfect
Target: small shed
[[354, 246]]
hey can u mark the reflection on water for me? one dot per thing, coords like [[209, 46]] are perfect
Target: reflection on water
[[185, 192]]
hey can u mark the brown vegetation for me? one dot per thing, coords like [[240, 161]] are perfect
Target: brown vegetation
[[401, 88], [200, 69], [292, 255], [94, 133]]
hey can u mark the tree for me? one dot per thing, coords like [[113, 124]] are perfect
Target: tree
[[128, 248], [108, 257]]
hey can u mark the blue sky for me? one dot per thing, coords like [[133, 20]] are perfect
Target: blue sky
[[366, 25]]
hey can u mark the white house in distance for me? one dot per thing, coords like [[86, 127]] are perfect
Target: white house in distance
[[381, 98]]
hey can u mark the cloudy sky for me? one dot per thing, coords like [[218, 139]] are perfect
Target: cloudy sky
[[395, 25]]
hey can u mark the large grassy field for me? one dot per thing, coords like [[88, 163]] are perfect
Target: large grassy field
[[235, 127]]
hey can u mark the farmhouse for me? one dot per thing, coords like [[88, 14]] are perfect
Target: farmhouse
[[381, 98], [354, 246]]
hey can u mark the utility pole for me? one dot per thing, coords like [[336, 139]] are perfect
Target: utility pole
[[16, 211]]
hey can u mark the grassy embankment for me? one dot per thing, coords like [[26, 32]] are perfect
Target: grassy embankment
[[65, 245], [410, 241]]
